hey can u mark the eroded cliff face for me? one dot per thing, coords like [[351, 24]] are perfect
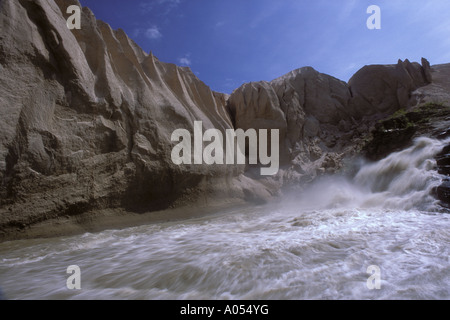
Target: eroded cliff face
[[86, 119], [323, 119], [386, 89]]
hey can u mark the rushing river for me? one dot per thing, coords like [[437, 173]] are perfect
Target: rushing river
[[317, 245]]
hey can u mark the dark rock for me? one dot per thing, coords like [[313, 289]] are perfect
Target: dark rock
[[388, 140], [387, 88], [443, 193], [443, 135], [443, 161], [445, 170], [443, 164], [397, 131]]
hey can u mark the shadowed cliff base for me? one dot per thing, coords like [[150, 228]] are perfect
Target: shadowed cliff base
[[86, 118]]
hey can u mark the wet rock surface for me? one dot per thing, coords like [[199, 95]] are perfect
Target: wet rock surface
[[443, 163], [397, 132]]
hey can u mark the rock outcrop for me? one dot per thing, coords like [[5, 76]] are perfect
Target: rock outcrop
[[320, 117], [443, 162], [86, 118], [386, 89], [426, 115]]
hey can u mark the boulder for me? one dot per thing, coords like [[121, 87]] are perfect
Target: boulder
[[386, 88], [443, 193], [443, 163]]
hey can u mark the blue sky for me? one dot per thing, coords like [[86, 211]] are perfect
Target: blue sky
[[230, 42]]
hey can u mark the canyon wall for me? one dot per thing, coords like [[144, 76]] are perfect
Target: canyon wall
[[86, 118]]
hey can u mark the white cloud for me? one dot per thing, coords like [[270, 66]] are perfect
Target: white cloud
[[185, 61], [153, 33]]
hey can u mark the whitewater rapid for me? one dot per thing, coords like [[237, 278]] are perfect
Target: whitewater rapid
[[314, 245]]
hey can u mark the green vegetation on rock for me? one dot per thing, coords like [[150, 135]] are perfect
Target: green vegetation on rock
[[397, 131]]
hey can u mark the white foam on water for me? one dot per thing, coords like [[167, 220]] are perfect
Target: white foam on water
[[317, 246]]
